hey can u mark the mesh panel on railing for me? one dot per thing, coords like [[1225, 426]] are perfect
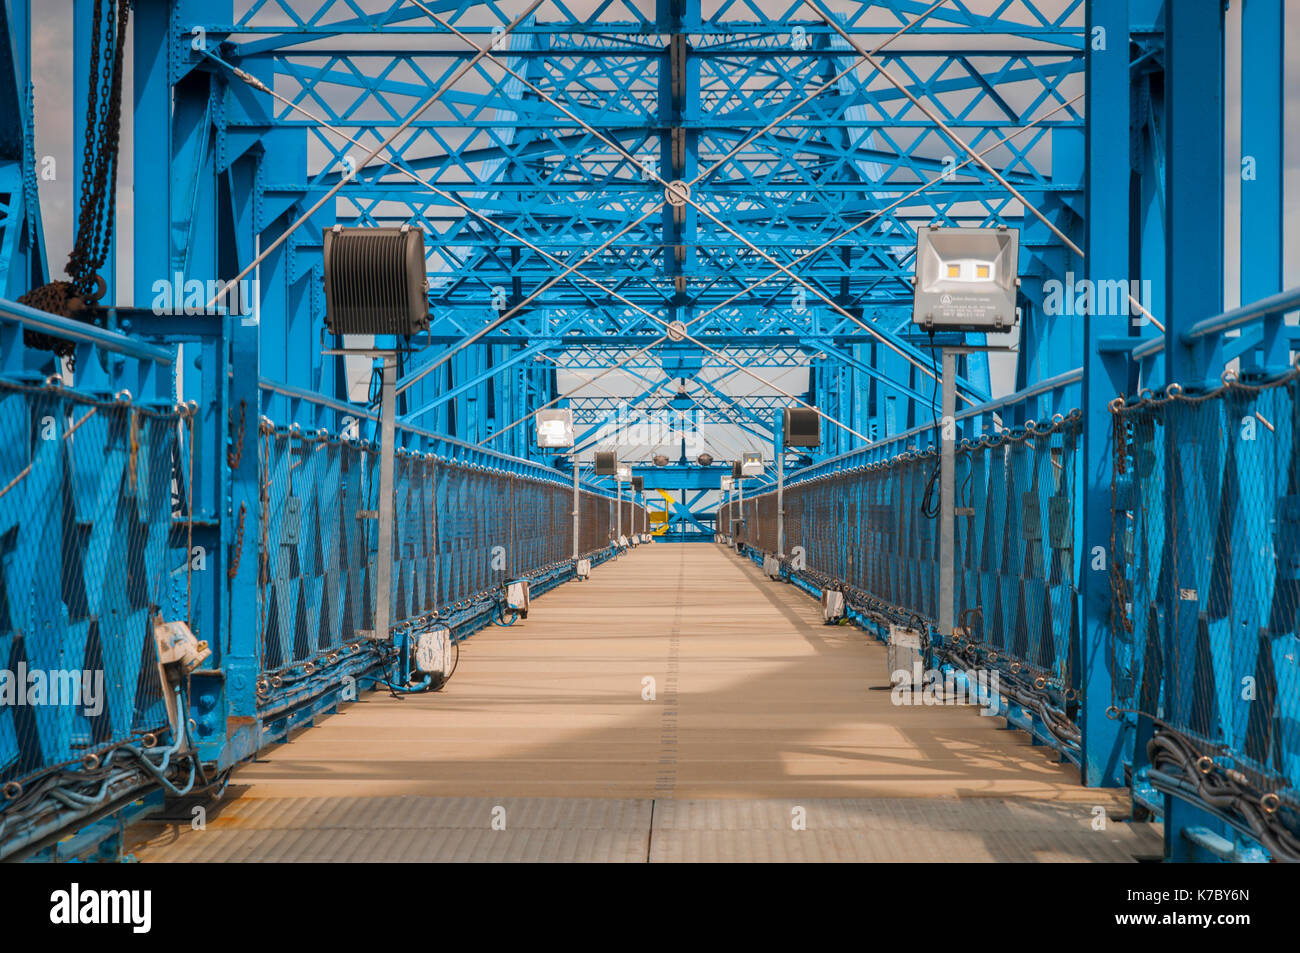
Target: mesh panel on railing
[[458, 531], [414, 527], [593, 523], [315, 573], [87, 494], [1206, 571], [1016, 558], [1013, 539]]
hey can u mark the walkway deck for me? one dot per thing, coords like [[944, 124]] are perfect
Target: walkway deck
[[761, 716]]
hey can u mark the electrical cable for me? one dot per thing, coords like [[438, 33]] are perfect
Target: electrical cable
[[1229, 792], [930, 504]]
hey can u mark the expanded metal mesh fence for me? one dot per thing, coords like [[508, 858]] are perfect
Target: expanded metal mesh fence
[[96, 541], [459, 531], [595, 522], [88, 494], [874, 529], [1206, 574], [634, 518], [316, 572]]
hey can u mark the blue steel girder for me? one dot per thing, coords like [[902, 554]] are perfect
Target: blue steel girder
[[555, 148], [559, 186], [23, 263], [777, 354]]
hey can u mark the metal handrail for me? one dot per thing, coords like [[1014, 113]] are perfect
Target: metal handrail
[[1272, 306], [1277, 304], [297, 393], [1045, 386], [68, 329]]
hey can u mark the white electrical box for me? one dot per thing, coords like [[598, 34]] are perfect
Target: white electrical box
[[772, 566], [832, 605], [634, 539], [179, 653], [517, 597], [177, 645], [433, 652], [583, 569], [905, 654], [622, 542]]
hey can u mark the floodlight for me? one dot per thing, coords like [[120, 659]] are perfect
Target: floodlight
[[606, 465], [705, 460], [624, 474], [554, 428], [801, 427], [735, 470], [966, 279], [375, 281], [751, 464], [726, 484], [638, 484]]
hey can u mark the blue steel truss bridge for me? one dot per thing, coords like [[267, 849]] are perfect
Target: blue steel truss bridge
[[1015, 570]]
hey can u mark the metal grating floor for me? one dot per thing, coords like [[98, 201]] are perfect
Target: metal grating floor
[[759, 710], [463, 829]]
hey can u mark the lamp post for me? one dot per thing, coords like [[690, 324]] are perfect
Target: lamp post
[[966, 280]]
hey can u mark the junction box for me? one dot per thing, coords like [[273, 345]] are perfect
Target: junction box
[[433, 654], [906, 651], [517, 597], [832, 605]]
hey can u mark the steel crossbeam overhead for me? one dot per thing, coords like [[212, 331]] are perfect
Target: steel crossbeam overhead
[[679, 193], [552, 135], [737, 415]]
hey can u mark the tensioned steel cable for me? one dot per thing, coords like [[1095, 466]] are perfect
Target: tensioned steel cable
[[398, 164], [486, 51], [926, 186], [406, 124], [831, 83], [657, 386], [965, 147], [618, 148], [682, 191]]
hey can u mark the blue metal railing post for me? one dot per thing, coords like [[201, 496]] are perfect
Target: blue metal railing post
[[1194, 128], [1104, 376], [240, 537], [1262, 118]]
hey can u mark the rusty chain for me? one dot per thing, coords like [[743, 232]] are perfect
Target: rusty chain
[[236, 453], [74, 299], [233, 571]]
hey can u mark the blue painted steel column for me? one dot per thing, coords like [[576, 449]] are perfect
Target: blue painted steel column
[[1263, 167], [1194, 130], [152, 126], [1103, 376], [1194, 127], [23, 265]]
